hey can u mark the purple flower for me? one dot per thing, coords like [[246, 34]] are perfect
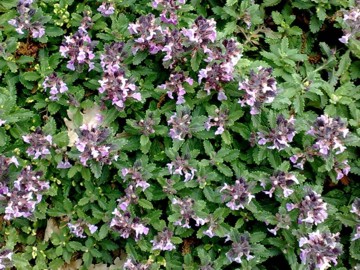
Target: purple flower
[[64, 165], [91, 143], [260, 88], [126, 225], [56, 85], [312, 208], [185, 207], [132, 265], [25, 195], [78, 228], [113, 57], [136, 175], [163, 241], [283, 222], [320, 249], [237, 195], [147, 125], [151, 36], [6, 259], [129, 198], [328, 133], [79, 47], [180, 124], [282, 180], [219, 120], [39, 144], [202, 32], [280, 136], [351, 19], [106, 9], [169, 8], [23, 21], [355, 207], [357, 233], [341, 168], [118, 88], [5, 165], [181, 166], [2, 122], [174, 48], [175, 86], [240, 247]]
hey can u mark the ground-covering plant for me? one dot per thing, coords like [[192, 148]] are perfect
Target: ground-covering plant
[[173, 134]]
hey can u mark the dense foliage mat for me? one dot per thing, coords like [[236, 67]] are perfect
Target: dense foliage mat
[[170, 134]]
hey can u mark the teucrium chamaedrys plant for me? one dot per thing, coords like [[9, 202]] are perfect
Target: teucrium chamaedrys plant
[[179, 134]]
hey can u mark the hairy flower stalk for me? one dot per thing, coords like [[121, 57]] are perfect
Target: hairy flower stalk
[[23, 21], [180, 125], [56, 85], [185, 207], [78, 228], [39, 144], [240, 247], [312, 208], [237, 195], [260, 88], [320, 249], [136, 175], [283, 181], [163, 241], [175, 86], [219, 120], [181, 166], [328, 133], [125, 224], [25, 195], [131, 264], [79, 47], [280, 136]]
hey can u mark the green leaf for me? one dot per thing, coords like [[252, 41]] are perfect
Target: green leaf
[[227, 138], [231, 2], [270, 3], [354, 249], [145, 204], [31, 76], [139, 57], [224, 169], [75, 245], [54, 31], [195, 61]]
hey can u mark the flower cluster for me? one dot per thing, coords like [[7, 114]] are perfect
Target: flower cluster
[[186, 209], [78, 228], [136, 175], [129, 198], [125, 224], [201, 33], [106, 9], [146, 125], [114, 83], [79, 47], [151, 35], [56, 85], [6, 259], [220, 70], [283, 222], [259, 89], [282, 180], [218, 120], [163, 241], [351, 18], [169, 7], [320, 249], [341, 168], [213, 225], [312, 208], [181, 166], [355, 208], [237, 195], [25, 195], [4, 167], [175, 86], [328, 132], [23, 21], [240, 247], [180, 125], [39, 144], [91, 143], [280, 136], [131, 265], [174, 48]]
